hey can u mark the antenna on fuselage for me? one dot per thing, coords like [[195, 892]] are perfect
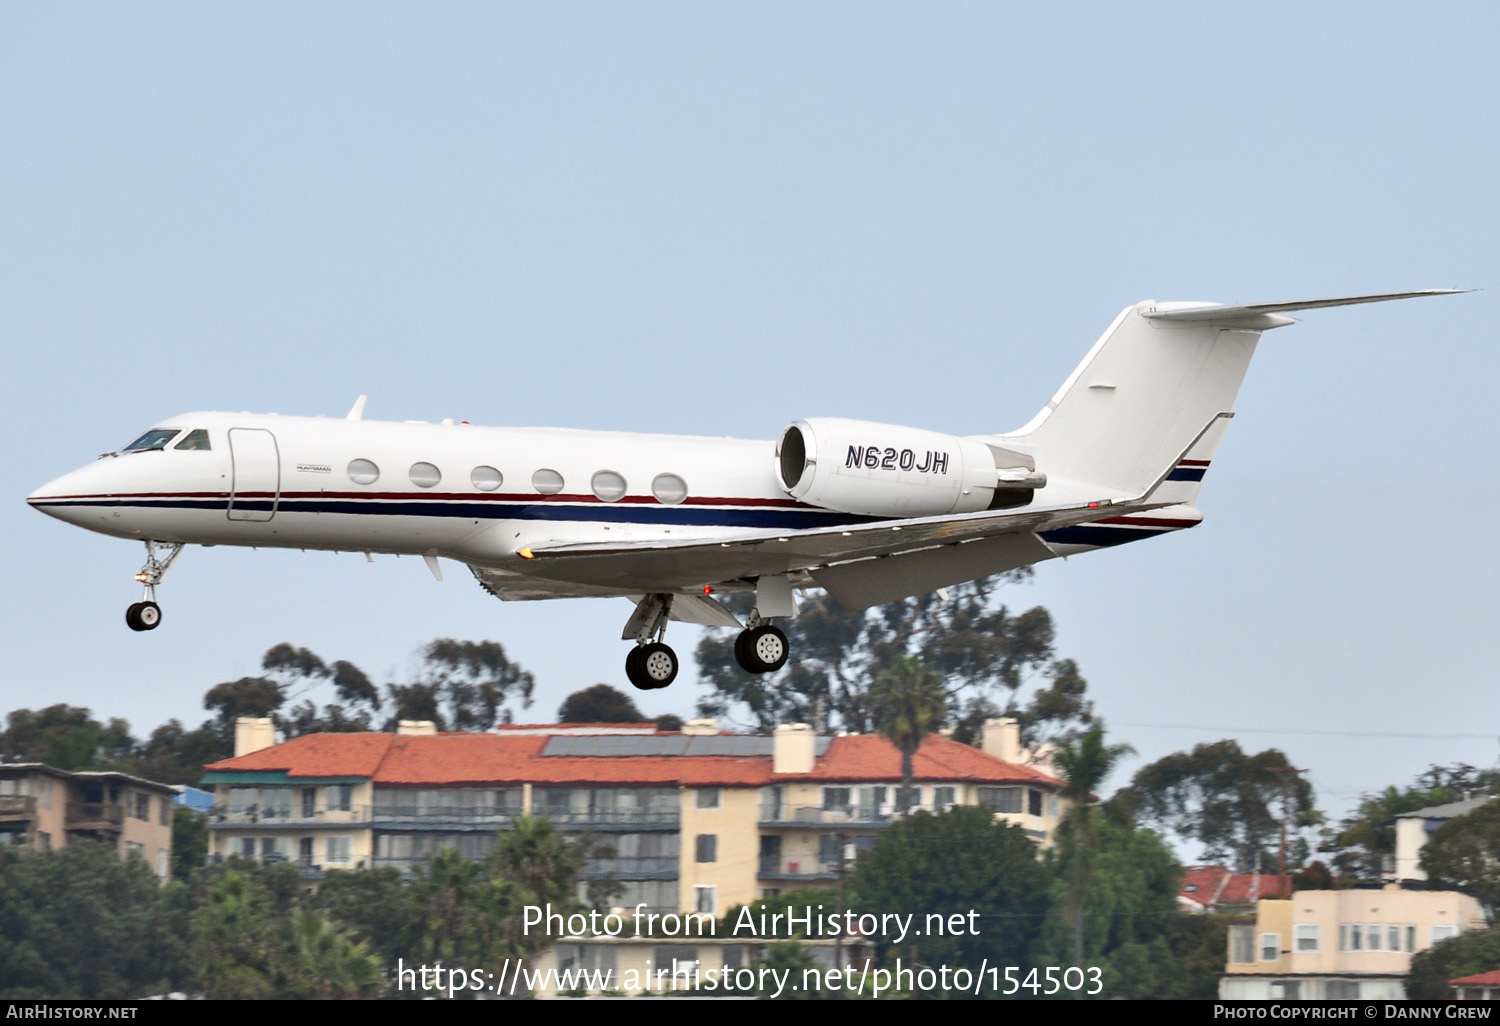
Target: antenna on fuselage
[[357, 411]]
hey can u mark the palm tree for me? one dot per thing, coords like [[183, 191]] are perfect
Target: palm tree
[[907, 704], [1084, 763]]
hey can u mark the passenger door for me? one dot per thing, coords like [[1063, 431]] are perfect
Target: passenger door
[[256, 474]]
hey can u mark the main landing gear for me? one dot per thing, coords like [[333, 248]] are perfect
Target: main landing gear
[[760, 648], [146, 615], [651, 664]]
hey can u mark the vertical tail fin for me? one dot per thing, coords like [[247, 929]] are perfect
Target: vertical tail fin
[[1161, 381]]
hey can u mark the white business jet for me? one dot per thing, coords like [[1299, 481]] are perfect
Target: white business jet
[[868, 512]]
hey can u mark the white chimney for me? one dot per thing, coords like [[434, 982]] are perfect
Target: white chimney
[[793, 748], [703, 725], [416, 728], [1002, 739], [251, 734]]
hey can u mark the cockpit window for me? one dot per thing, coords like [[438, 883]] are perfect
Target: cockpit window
[[196, 439], [156, 438]]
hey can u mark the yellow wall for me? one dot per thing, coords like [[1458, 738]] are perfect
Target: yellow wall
[[733, 872]]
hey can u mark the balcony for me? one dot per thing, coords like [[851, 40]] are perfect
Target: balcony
[[633, 867], [846, 817], [223, 817], [16, 808], [612, 819], [101, 817], [447, 817], [774, 867]]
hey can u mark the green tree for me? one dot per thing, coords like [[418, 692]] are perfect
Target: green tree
[[67, 737], [599, 704], [1464, 854], [1084, 763], [982, 652], [81, 923], [319, 960], [235, 939], [375, 905], [462, 685], [189, 842], [1465, 955], [956, 862], [906, 705], [1227, 801]]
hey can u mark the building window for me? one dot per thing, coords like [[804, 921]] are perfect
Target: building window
[[1052, 806], [309, 802], [1372, 937], [1442, 933], [1393, 938], [1411, 939], [166, 811], [1343, 936], [1309, 938], [676, 959], [340, 797], [1286, 990], [707, 848], [134, 850], [1242, 944], [1270, 947], [162, 862], [835, 798], [1002, 799], [247, 847], [706, 798], [338, 849], [1341, 990], [43, 841], [1033, 802], [703, 900], [942, 797]]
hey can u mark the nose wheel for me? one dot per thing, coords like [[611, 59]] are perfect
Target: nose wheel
[[146, 615], [143, 616]]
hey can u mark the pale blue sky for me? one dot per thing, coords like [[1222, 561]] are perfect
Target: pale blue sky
[[720, 218]]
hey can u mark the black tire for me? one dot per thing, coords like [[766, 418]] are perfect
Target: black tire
[[633, 671], [132, 616], [762, 649], [658, 665]]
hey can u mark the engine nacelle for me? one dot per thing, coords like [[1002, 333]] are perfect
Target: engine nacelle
[[886, 470]]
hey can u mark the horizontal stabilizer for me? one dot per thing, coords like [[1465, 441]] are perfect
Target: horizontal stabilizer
[[1267, 315]]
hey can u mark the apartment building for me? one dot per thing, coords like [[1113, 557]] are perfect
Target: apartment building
[[695, 820], [42, 808], [1349, 944]]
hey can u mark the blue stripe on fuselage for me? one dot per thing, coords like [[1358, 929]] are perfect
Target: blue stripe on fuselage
[[695, 516]]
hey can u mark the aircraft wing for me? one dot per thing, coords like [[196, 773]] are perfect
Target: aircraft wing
[[979, 541]]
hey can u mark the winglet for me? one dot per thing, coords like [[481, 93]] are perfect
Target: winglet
[[357, 411]]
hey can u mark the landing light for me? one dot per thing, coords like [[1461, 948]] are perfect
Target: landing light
[[140, 577], [526, 553]]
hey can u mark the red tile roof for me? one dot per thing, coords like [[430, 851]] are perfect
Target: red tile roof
[[1215, 885], [315, 755], [1489, 979], [453, 759]]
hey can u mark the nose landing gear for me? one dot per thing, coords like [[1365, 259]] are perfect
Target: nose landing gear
[[146, 615]]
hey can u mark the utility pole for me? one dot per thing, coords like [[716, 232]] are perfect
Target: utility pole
[[1286, 810]]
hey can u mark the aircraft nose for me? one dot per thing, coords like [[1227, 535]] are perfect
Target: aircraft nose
[[61, 498]]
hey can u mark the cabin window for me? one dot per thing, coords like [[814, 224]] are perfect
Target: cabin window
[[363, 472], [669, 489], [424, 475], [196, 439], [608, 485], [151, 441], [548, 482], [486, 479]]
